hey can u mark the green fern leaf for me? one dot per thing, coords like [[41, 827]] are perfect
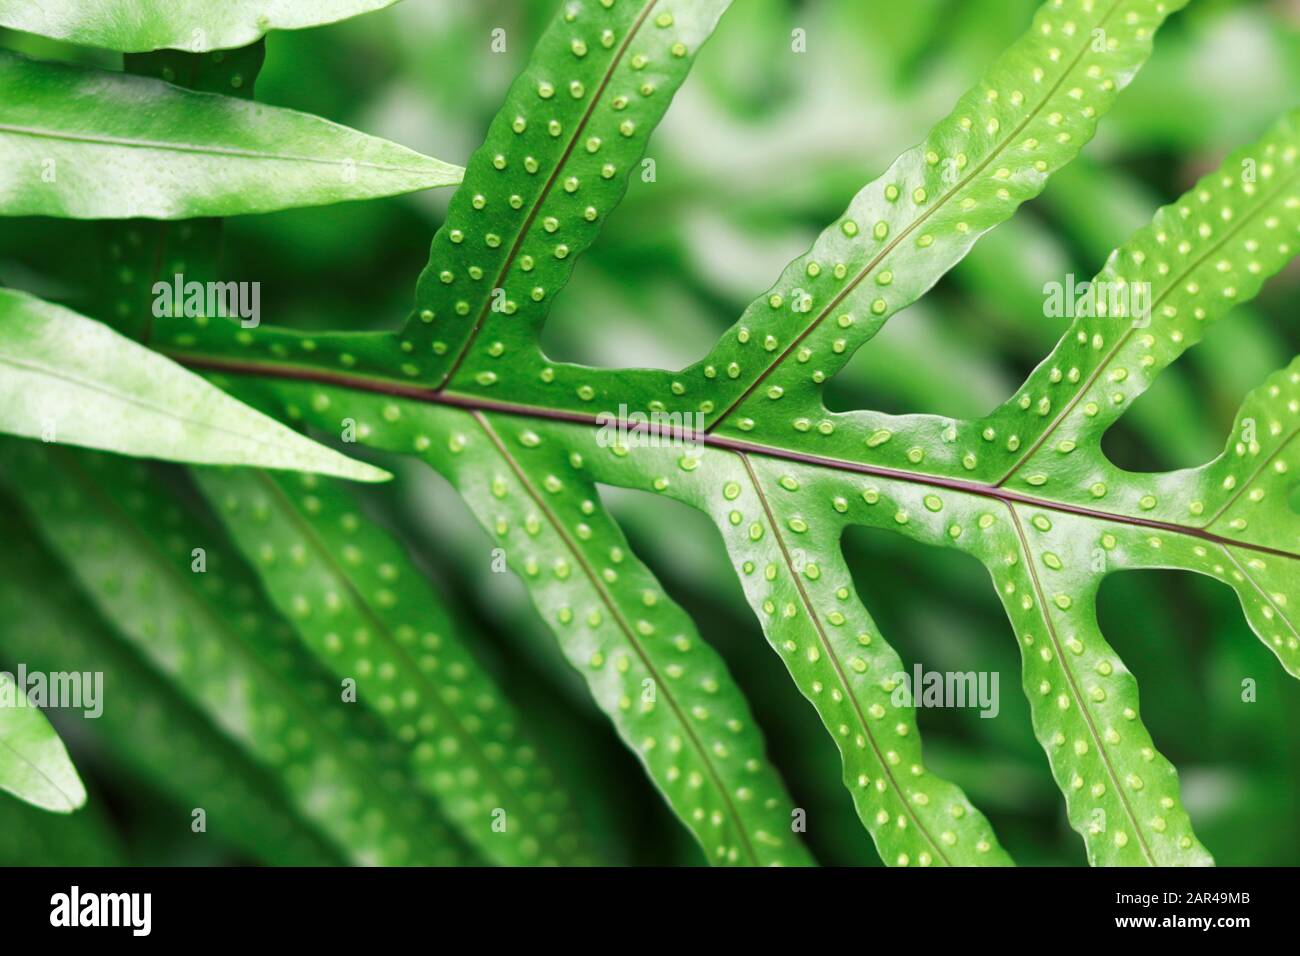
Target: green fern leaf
[[735, 804], [556, 160], [133, 26], [87, 144], [361, 607], [536, 380], [1047, 553], [149, 729], [70, 379], [667, 692], [1032, 113], [34, 765], [1025, 490], [132, 548], [1249, 535]]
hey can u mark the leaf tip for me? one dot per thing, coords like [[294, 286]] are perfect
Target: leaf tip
[[360, 471]]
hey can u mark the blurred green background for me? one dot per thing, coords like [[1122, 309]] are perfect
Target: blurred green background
[[761, 149]]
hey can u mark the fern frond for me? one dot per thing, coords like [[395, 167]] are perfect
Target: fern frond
[[363, 610], [147, 728], [799, 588], [1047, 557], [555, 162], [1202, 255], [465, 387], [667, 692], [197, 617], [1248, 496]]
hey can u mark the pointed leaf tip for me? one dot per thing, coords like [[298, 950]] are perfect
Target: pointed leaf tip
[[118, 146], [71, 380], [34, 764]]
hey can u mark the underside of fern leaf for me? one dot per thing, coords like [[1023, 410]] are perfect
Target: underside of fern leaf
[[745, 436], [1023, 490]]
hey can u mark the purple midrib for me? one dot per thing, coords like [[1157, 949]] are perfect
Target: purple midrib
[[707, 439]]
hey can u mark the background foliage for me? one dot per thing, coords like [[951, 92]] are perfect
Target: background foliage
[[760, 150]]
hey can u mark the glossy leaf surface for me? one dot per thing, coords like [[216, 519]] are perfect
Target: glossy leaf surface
[[133, 26], [34, 764], [747, 438], [88, 144], [70, 379]]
